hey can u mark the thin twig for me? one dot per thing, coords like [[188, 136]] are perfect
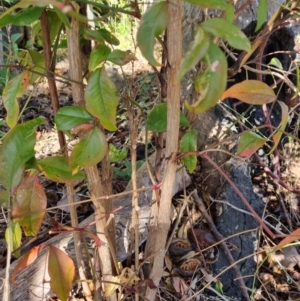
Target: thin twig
[[218, 236]]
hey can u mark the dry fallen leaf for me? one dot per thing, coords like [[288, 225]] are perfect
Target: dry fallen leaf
[[127, 277]]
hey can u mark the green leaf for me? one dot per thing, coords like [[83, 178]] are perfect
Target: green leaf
[[17, 148], [120, 57], [89, 151], [29, 206], [23, 17], [219, 287], [116, 155], [15, 234], [197, 50], [153, 24], [275, 62], [225, 30], [63, 17], [202, 82], [15, 88], [95, 35], [54, 25], [37, 61], [284, 121], [188, 143], [98, 55], [101, 99], [217, 67], [69, 117], [109, 37], [252, 92], [157, 119], [216, 4], [4, 197], [262, 12], [61, 270], [56, 168], [249, 143]]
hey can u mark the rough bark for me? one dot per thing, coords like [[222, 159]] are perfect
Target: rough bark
[[31, 283]]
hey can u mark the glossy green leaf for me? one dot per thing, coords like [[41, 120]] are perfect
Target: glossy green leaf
[[90, 150], [56, 168], [14, 232], [116, 155], [29, 205], [217, 67], [262, 12], [197, 50], [17, 148], [15, 88], [120, 57], [216, 4], [101, 99], [249, 143], [188, 143], [225, 30], [252, 92], [61, 270], [157, 119], [98, 56], [69, 117], [153, 24], [23, 17], [284, 121]]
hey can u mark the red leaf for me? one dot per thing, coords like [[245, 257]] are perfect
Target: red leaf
[[252, 92], [27, 259], [61, 269]]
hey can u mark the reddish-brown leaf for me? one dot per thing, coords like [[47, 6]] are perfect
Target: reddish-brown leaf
[[287, 240], [27, 259], [29, 205], [61, 269], [252, 92]]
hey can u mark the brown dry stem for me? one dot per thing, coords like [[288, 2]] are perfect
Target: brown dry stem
[[103, 207], [50, 67], [161, 213]]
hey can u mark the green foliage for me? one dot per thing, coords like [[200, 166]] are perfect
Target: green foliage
[[217, 72], [225, 30], [262, 12], [16, 149], [56, 168], [197, 50], [89, 151], [14, 89], [249, 143], [153, 24], [157, 118], [68, 118], [101, 99], [188, 143]]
